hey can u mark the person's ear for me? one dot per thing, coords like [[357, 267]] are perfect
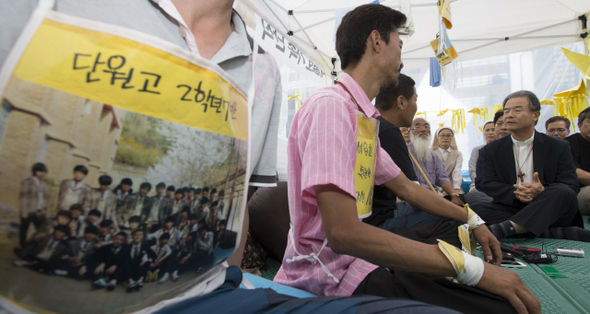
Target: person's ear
[[399, 102], [374, 41]]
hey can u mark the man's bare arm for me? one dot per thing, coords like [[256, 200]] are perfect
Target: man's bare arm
[[347, 235], [583, 176]]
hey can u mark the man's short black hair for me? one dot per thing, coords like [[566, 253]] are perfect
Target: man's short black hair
[[106, 223], [105, 180], [214, 203], [126, 181], [171, 188], [82, 169], [499, 114], [204, 200], [556, 119], [91, 229], [179, 191], [193, 216], [123, 234], [213, 191], [62, 228], [165, 236], [223, 222], [145, 185], [169, 219], [185, 208], [357, 25], [585, 114], [161, 185], [388, 96], [198, 191], [221, 193], [205, 189], [95, 212], [38, 166], [134, 219], [76, 206]]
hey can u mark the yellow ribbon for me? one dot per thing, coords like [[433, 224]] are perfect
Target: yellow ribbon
[[458, 121], [298, 105]]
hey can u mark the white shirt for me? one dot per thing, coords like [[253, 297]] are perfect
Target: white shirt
[[522, 150], [444, 152]]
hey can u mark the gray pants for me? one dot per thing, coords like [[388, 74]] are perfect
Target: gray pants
[[584, 200]]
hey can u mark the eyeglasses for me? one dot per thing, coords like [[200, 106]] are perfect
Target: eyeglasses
[[445, 135], [560, 130], [419, 127]]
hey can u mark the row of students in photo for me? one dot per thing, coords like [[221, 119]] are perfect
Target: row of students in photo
[[118, 204], [133, 255]]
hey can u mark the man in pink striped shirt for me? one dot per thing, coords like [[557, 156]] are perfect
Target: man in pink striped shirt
[[330, 251]]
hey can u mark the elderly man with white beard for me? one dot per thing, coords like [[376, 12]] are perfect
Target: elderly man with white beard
[[426, 162]]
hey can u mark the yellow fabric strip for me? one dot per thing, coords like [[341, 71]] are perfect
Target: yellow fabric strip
[[133, 76], [453, 254]]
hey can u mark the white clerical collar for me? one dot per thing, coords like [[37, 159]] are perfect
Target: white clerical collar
[[523, 143], [442, 150]]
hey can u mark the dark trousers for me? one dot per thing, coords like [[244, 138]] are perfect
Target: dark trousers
[[556, 206], [428, 232], [135, 270], [24, 227], [229, 299], [432, 290]]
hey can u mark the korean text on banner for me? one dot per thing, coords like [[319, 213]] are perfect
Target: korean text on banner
[[133, 76]]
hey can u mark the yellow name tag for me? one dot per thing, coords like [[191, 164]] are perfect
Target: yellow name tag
[[364, 168]]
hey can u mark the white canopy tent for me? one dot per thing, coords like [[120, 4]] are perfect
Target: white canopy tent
[[480, 28]]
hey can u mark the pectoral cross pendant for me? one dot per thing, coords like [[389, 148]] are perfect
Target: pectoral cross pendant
[[521, 176]]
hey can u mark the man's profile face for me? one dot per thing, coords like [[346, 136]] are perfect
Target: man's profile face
[[410, 110], [558, 129], [420, 128], [392, 59], [585, 128], [518, 115]]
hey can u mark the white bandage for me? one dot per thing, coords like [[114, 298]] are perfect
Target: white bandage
[[472, 271], [474, 220]]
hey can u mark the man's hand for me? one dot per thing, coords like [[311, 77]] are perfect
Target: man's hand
[[490, 245], [527, 192], [508, 284], [456, 200]]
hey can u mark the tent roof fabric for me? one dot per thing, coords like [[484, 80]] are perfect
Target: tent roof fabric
[[480, 28]]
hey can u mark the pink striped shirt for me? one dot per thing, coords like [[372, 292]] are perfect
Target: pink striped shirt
[[322, 150]]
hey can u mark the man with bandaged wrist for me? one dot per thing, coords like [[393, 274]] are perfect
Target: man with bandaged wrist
[[334, 161]]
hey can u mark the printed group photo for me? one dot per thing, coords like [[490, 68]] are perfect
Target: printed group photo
[[108, 210]]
